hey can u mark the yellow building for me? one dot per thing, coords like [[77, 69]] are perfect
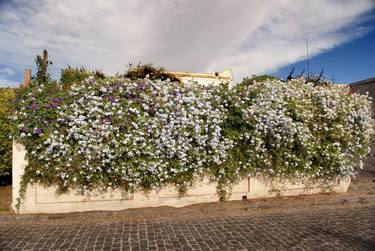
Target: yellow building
[[204, 78]]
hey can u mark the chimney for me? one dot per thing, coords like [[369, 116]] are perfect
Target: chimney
[[26, 78], [45, 57]]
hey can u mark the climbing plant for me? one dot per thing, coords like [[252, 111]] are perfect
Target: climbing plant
[[141, 133]]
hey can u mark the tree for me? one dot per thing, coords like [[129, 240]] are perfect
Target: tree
[[42, 62], [148, 70], [6, 97], [260, 78]]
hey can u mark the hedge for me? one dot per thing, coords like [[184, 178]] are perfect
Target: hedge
[[6, 96], [144, 134]]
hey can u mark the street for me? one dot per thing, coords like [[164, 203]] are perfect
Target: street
[[334, 229]]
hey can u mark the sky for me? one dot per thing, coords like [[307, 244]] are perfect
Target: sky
[[346, 63], [250, 36]]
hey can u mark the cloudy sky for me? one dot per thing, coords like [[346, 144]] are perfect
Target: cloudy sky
[[250, 36]]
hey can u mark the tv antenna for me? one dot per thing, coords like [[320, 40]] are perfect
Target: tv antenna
[[307, 57], [333, 79]]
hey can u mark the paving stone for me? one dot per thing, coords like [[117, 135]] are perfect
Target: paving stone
[[343, 229]]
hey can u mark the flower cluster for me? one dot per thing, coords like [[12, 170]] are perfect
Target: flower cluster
[[118, 132], [298, 129]]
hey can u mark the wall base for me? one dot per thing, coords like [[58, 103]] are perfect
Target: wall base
[[40, 199]]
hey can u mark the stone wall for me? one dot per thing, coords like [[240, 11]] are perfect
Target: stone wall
[[41, 199]]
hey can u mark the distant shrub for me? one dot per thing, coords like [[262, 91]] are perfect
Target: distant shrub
[[76, 75], [255, 78], [73, 75], [6, 96], [149, 71]]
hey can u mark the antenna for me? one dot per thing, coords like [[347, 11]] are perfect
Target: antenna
[[333, 78], [321, 74], [290, 76], [307, 57]]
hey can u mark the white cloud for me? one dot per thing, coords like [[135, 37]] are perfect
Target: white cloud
[[4, 82], [249, 36], [6, 71], [280, 40], [5, 74]]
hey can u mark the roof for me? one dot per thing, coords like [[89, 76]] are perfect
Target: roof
[[363, 82]]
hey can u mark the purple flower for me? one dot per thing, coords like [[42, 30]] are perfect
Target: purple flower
[[57, 100], [151, 109], [141, 86], [53, 105], [107, 120], [37, 131], [175, 93], [113, 99], [34, 106]]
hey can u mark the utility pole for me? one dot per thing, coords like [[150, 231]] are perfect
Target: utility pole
[[307, 57]]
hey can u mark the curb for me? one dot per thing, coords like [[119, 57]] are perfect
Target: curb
[[365, 200]]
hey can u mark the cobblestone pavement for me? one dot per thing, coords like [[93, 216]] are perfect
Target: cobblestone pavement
[[338, 229]]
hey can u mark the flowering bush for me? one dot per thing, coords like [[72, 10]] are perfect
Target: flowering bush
[[295, 129], [116, 132]]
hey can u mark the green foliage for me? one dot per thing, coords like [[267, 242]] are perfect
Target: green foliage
[[142, 71], [70, 76], [318, 80], [6, 97], [73, 75], [254, 78], [42, 63]]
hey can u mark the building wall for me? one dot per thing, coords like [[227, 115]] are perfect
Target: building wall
[[212, 78], [364, 87], [368, 87]]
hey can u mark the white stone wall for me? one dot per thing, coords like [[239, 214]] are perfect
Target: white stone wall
[[40, 199]]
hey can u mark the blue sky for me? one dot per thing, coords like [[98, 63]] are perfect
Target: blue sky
[[250, 36], [346, 63]]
